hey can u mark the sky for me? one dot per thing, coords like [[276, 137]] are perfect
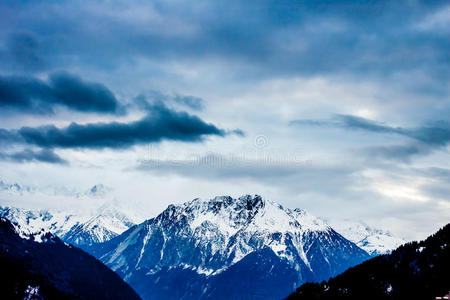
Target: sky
[[341, 108]]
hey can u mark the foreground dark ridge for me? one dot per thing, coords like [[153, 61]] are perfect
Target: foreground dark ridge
[[417, 270], [52, 269]]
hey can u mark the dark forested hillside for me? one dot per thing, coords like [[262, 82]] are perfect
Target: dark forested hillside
[[418, 270], [52, 269]]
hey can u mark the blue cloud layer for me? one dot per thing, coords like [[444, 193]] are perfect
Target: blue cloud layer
[[376, 38]]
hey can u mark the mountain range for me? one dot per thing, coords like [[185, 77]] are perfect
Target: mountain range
[[86, 228], [249, 247], [375, 241]]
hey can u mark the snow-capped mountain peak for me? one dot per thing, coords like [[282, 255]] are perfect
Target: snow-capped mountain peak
[[209, 236], [374, 241], [245, 213], [227, 226]]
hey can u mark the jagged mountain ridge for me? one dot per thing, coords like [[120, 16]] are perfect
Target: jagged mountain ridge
[[77, 228], [205, 239], [52, 269]]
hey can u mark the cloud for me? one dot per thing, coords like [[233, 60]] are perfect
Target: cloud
[[193, 102], [353, 122], [282, 39], [237, 56], [24, 50], [161, 123], [401, 153], [437, 134], [437, 187], [286, 172], [32, 95], [44, 155], [425, 139], [436, 21], [146, 100], [349, 122], [9, 137]]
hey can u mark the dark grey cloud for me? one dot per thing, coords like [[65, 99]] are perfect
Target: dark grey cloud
[[43, 155], [161, 123], [32, 95]]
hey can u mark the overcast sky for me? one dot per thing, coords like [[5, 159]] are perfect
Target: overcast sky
[[341, 108]]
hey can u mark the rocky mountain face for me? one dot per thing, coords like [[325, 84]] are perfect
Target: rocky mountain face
[[51, 269], [227, 248]]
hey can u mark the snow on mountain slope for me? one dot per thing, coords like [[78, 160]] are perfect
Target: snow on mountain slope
[[30, 222], [80, 229], [374, 241], [208, 237], [106, 224]]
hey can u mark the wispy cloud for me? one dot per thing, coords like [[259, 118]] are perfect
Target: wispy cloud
[[424, 139], [437, 134], [285, 171]]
